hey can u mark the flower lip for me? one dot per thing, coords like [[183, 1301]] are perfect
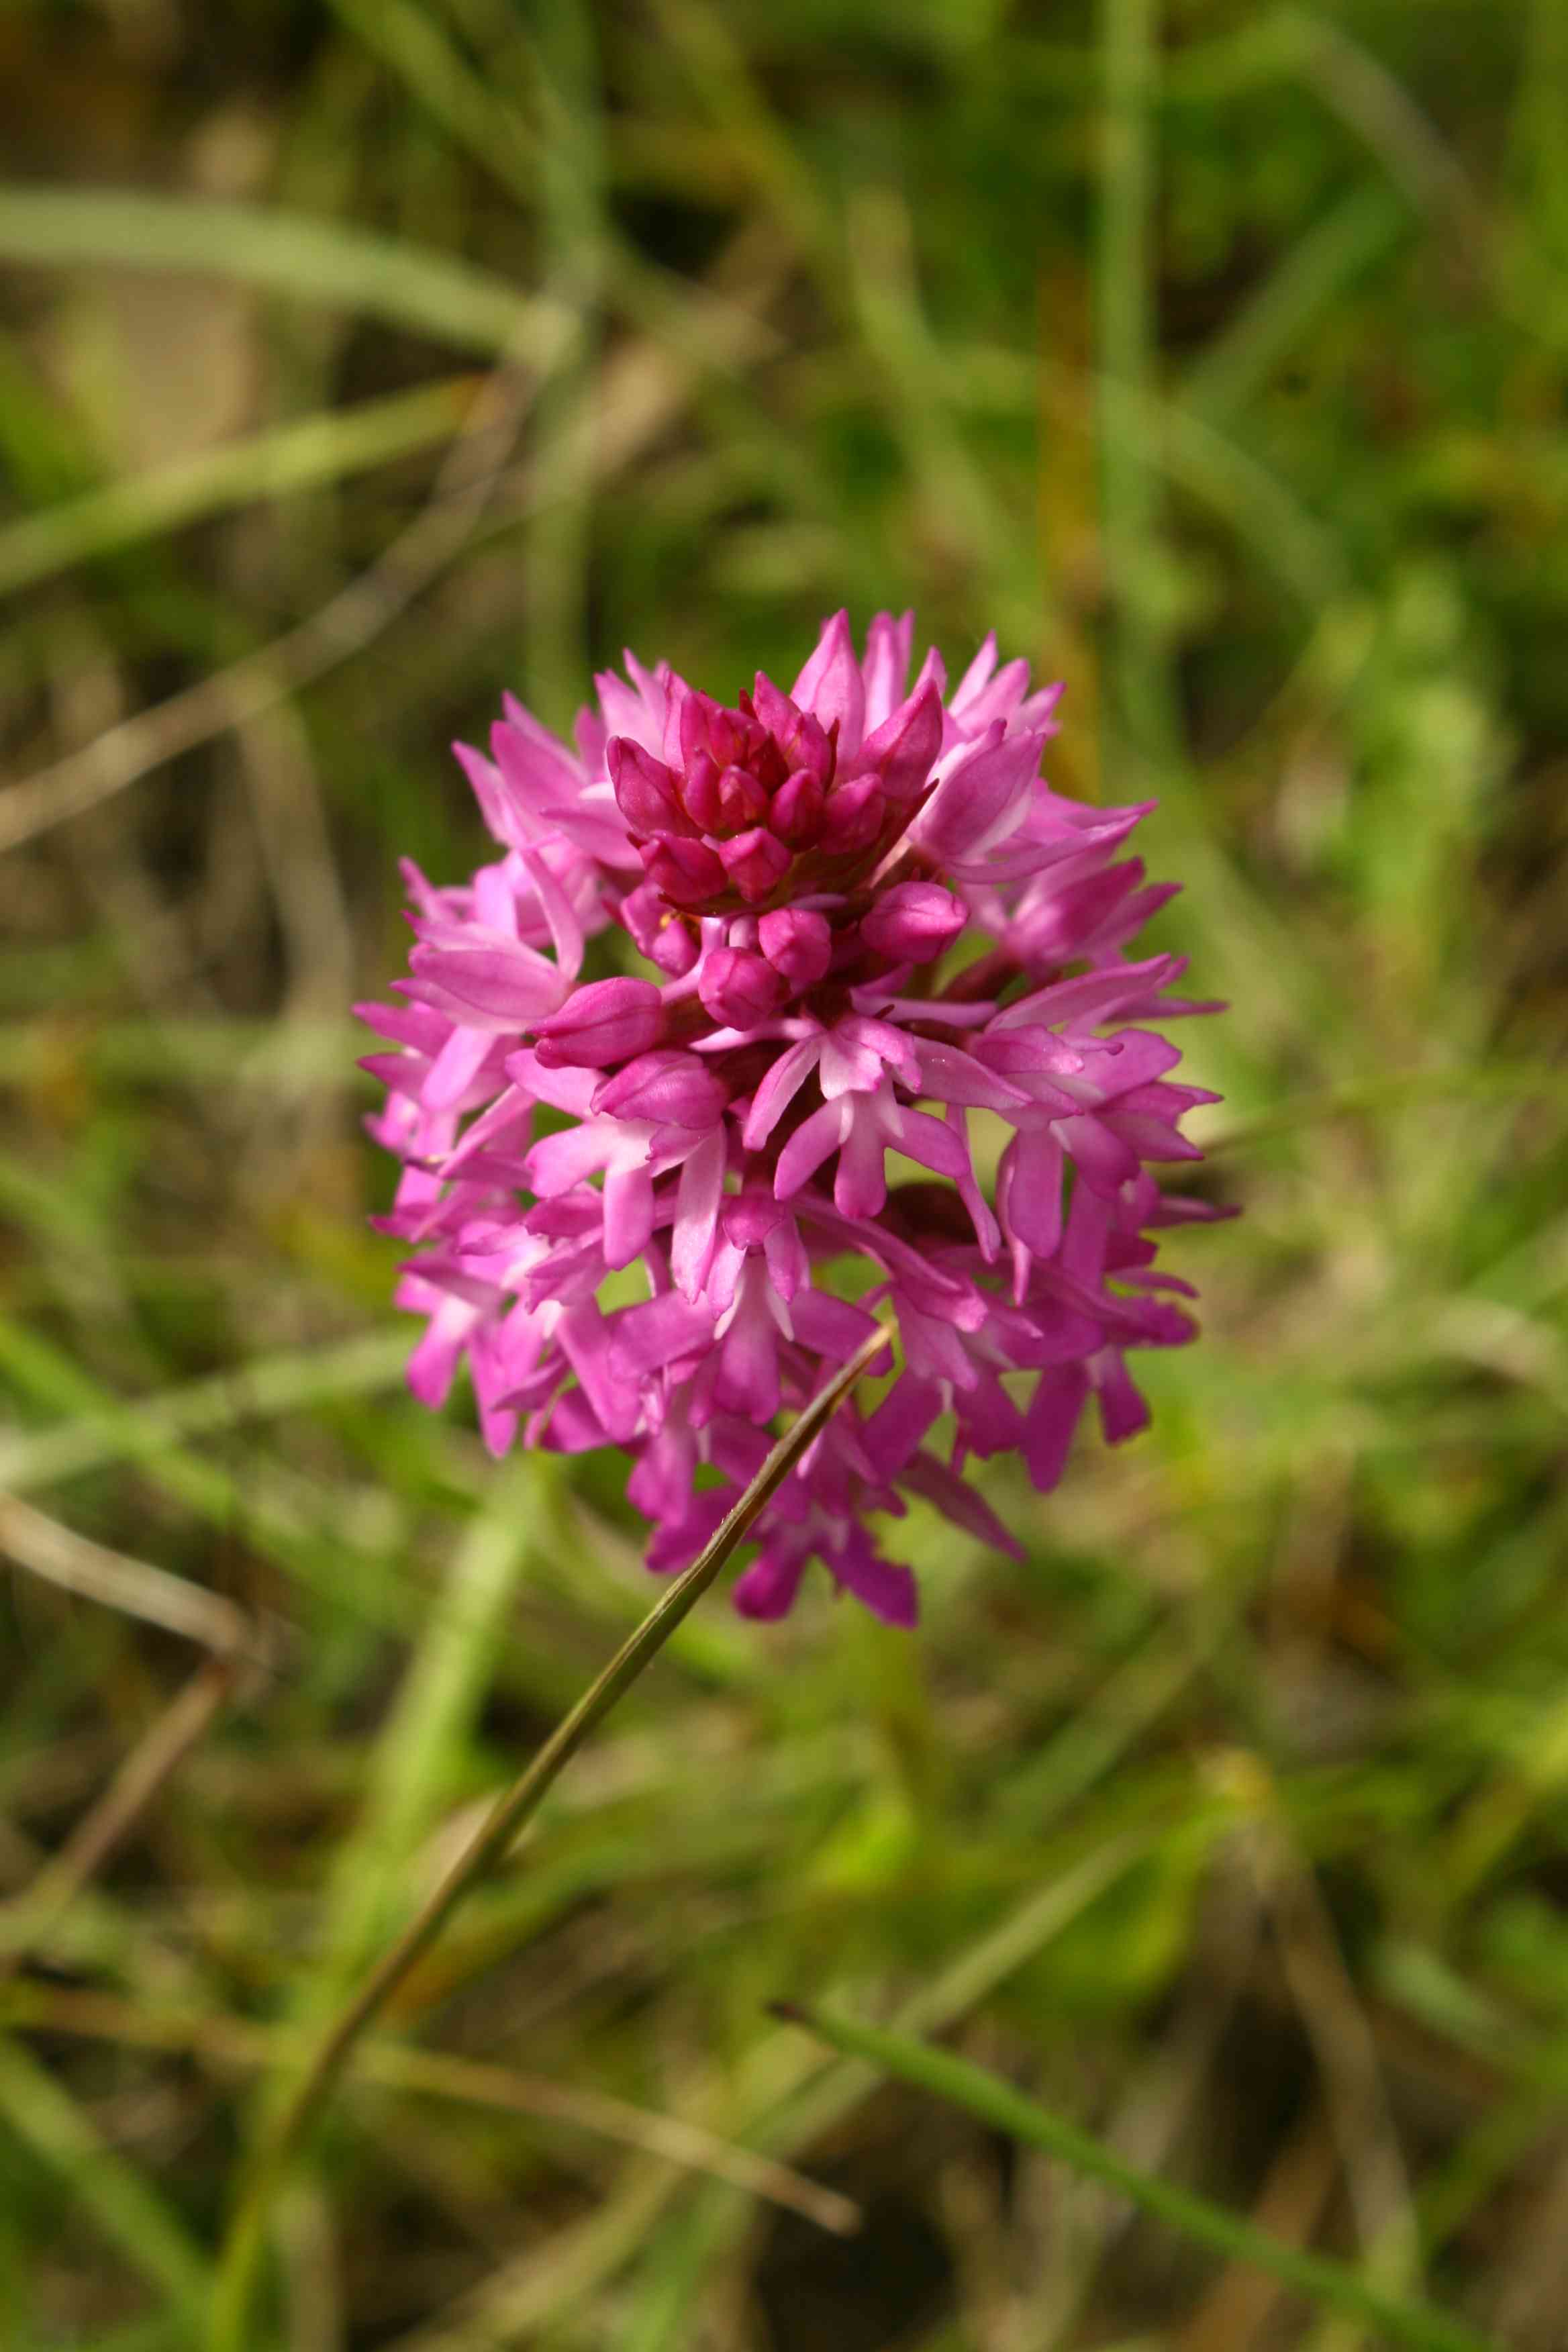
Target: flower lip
[[666, 938], [669, 1087]]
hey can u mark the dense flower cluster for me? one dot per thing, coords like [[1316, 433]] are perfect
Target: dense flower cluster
[[798, 873]]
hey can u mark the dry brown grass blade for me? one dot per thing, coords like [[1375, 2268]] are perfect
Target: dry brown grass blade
[[27, 1921], [136, 1589], [234, 2042], [1239, 2305], [1356, 2098]]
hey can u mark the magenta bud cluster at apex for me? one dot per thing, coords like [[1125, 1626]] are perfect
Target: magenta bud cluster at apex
[[798, 875]]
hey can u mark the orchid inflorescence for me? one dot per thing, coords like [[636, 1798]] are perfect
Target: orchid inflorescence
[[801, 874]]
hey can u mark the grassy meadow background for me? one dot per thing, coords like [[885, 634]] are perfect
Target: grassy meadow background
[[358, 360]]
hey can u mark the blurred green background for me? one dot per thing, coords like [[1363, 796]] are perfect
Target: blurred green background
[[360, 360]]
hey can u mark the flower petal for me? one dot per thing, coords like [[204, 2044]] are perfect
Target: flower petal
[[832, 687]]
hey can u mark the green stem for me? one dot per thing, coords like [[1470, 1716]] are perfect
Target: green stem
[[242, 2249], [996, 2103]]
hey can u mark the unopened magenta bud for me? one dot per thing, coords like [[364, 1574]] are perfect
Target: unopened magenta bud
[[609, 1020], [797, 943], [904, 747], [914, 922], [756, 862], [643, 787], [738, 988], [854, 816], [796, 812], [743, 799], [801, 738], [687, 872]]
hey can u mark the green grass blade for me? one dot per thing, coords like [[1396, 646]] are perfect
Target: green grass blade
[[808, 2103], [413, 45], [102, 1428], [428, 1723], [266, 1502], [1314, 276], [194, 1052], [574, 243], [1139, 706], [113, 2189], [307, 259], [299, 456], [1261, 509], [1332, 2284]]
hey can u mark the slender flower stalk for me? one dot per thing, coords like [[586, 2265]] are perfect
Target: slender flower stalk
[[510, 1813], [860, 918]]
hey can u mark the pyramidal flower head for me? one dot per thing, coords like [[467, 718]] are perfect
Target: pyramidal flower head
[[853, 914]]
